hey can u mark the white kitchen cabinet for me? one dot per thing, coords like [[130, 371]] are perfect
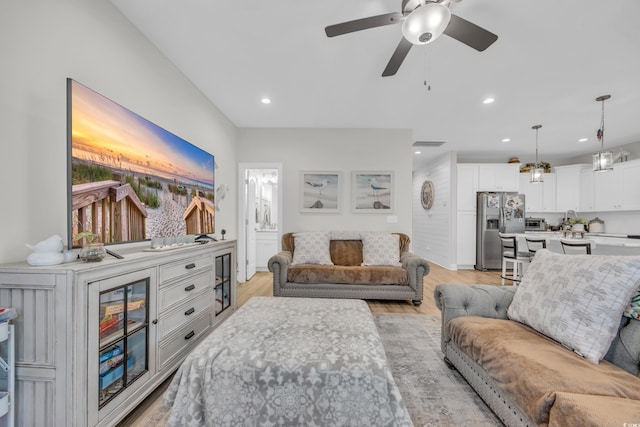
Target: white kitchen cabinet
[[619, 189], [466, 239], [467, 187], [568, 187], [541, 196], [94, 339], [586, 191], [498, 177]]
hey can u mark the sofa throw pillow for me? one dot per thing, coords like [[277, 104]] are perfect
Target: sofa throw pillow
[[576, 300], [380, 249], [311, 247], [633, 309]]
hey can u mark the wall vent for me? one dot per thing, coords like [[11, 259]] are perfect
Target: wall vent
[[428, 143]]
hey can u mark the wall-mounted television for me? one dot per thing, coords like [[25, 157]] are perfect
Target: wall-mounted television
[[130, 180]]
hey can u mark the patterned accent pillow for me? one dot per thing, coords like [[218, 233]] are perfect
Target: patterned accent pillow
[[576, 300], [311, 247], [633, 309], [379, 248]]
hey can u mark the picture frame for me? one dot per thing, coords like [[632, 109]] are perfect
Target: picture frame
[[320, 191], [372, 192]]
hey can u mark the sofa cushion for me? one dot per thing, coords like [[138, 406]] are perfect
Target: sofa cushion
[[312, 247], [375, 275], [576, 299], [588, 410], [379, 248], [346, 252], [530, 368]]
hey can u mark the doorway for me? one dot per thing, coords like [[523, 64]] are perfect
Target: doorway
[[260, 209]]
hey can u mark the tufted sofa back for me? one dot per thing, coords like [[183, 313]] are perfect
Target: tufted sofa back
[[346, 252]]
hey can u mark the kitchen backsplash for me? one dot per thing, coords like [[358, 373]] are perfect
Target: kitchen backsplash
[[614, 222]]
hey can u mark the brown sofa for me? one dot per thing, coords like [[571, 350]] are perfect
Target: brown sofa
[[348, 278], [528, 379]]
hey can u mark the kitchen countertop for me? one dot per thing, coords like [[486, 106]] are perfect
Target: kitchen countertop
[[605, 239]]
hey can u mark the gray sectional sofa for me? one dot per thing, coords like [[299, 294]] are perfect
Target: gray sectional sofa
[[530, 379]]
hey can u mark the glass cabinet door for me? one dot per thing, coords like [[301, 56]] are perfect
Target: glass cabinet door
[[123, 345], [223, 283]]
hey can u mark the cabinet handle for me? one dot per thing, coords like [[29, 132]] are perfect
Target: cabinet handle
[[190, 311], [189, 335], [190, 266], [190, 287], [154, 321]]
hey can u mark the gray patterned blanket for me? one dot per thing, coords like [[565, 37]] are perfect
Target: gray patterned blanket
[[289, 361]]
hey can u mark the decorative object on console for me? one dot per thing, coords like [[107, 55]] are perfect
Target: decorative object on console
[[603, 160], [427, 193], [223, 232], [92, 251], [320, 192], [47, 252], [372, 192], [537, 173]]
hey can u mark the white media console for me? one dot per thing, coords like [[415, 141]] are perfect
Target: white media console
[[94, 339]]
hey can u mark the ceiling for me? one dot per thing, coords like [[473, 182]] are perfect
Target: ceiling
[[550, 62]]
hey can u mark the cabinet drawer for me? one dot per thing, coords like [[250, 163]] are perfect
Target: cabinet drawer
[[184, 289], [183, 338], [185, 313], [183, 267]]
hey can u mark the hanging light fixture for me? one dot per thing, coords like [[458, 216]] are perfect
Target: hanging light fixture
[[602, 161], [426, 23], [537, 173]]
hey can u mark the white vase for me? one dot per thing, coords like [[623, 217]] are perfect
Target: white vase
[[578, 227]]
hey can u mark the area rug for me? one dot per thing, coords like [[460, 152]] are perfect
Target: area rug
[[434, 394]]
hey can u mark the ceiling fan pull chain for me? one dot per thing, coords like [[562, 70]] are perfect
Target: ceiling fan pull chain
[[427, 70]]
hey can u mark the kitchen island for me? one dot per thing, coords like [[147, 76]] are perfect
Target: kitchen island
[[601, 243]]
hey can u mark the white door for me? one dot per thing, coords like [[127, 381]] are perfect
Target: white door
[[251, 228]]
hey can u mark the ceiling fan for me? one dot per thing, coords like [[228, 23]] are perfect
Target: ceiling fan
[[423, 21]]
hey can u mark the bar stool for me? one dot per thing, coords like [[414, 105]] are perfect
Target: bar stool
[[534, 244], [572, 247], [510, 254]]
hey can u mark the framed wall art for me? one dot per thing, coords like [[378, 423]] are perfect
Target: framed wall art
[[320, 191], [372, 192]]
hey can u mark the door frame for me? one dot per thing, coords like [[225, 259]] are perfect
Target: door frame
[[242, 212]]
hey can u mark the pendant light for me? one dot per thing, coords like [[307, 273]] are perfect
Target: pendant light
[[537, 173], [602, 161]]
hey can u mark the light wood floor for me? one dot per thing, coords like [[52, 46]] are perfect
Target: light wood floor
[[262, 285]]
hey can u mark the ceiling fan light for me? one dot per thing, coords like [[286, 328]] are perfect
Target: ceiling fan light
[[426, 23]]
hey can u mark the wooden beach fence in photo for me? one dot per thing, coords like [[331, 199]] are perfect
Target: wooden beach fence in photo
[[108, 209], [199, 216]]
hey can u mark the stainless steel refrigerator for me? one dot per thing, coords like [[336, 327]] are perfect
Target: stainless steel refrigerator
[[496, 212]]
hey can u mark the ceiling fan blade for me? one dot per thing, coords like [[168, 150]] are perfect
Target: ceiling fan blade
[[396, 59], [469, 33], [363, 24]]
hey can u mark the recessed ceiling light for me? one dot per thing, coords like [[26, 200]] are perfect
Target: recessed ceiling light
[[488, 101], [583, 139], [506, 140], [418, 152], [265, 100]]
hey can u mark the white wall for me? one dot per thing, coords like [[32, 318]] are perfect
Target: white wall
[[344, 150], [43, 42], [433, 236]]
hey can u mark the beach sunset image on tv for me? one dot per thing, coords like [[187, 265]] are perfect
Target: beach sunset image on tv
[[130, 179]]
